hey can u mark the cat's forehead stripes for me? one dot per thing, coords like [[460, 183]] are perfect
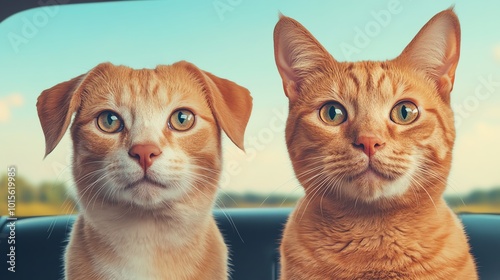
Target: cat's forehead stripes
[[148, 90], [141, 87], [367, 76], [366, 86]]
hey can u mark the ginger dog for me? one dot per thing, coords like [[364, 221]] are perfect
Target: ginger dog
[[146, 165]]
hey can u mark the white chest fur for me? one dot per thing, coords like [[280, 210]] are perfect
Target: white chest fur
[[147, 248]]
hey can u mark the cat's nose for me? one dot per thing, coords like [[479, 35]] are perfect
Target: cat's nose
[[369, 144], [145, 154]]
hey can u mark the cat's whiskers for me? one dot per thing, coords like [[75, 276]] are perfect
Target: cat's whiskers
[[328, 189], [69, 200], [320, 157], [325, 185], [86, 188], [415, 181], [449, 182], [101, 187], [69, 166], [314, 193], [110, 192], [196, 179], [91, 185], [428, 195], [336, 184], [315, 184], [191, 187], [210, 179], [294, 178]]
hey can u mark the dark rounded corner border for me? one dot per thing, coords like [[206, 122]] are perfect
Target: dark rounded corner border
[[11, 7]]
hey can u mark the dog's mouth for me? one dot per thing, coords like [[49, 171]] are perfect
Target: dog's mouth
[[145, 182]]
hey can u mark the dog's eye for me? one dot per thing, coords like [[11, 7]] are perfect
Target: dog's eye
[[110, 122], [181, 120]]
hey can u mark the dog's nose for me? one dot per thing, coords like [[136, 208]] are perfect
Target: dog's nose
[[145, 154]]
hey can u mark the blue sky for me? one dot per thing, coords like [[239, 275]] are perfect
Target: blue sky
[[233, 39]]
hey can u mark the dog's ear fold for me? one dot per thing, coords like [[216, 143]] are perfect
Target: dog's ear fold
[[231, 104], [56, 106]]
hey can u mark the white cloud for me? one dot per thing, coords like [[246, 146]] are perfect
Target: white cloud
[[4, 111], [9, 102]]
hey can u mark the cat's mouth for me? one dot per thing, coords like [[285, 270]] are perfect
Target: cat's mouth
[[145, 182], [371, 173]]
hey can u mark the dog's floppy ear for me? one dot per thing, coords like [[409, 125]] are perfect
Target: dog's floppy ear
[[231, 104], [56, 105]]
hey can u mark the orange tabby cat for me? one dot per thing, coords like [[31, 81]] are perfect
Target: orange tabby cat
[[371, 144], [147, 158]]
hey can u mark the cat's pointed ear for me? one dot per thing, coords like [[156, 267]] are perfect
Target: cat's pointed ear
[[231, 104], [56, 106], [297, 54], [435, 51]]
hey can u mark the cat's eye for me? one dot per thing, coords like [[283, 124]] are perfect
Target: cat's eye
[[110, 122], [333, 113], [404, 112], [181, 120]]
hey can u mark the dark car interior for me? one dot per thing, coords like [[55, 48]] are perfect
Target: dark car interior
[[252, 234]]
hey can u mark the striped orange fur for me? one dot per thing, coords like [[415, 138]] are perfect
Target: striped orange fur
[[145, 184], [371, 143]]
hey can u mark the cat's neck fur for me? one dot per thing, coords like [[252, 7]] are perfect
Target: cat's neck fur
[[173, 218]]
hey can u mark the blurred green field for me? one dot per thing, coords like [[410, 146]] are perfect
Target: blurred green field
[[50, 198], [40, 209], [485, 208]]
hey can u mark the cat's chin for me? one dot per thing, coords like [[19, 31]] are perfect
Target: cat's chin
[[371, 175], [146, 183], [371, 185]]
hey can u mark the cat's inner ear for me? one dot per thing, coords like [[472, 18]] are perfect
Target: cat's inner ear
[[436, 50], [297, 54]]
